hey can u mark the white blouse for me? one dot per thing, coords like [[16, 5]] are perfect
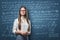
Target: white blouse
[[24, 26]]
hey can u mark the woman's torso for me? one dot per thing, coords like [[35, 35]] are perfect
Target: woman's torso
[[24, 26]]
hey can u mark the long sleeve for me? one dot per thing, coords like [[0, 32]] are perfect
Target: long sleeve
[[15, 24], [29, 27]]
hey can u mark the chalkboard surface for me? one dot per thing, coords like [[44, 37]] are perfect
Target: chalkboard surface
[[44, 16]]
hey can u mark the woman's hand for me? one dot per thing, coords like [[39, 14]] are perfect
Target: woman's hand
[[25, 33], [21, 32]]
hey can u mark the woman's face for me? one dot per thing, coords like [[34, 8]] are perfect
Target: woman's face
[[23, 11]]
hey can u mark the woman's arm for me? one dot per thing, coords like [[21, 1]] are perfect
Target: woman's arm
[[29, 29], [14, 26]]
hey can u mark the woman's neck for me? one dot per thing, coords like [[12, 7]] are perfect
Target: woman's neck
[[22, 17]]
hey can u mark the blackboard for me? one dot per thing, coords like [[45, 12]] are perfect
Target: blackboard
[[44, 16]]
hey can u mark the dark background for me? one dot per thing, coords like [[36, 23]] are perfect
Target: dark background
[[44, 16]]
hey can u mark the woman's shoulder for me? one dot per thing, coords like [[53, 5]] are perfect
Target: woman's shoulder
[[16, 20], [29, 20]]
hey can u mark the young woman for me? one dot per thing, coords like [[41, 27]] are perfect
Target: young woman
[[22, 25]]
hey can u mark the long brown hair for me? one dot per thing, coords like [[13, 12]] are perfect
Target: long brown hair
[[19, 17]]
